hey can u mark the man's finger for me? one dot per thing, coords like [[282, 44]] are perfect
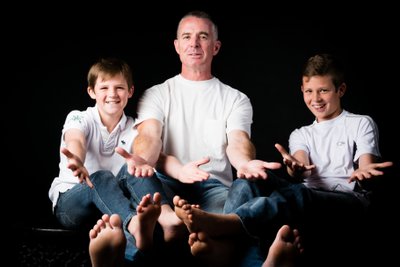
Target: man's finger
[[122, 152]]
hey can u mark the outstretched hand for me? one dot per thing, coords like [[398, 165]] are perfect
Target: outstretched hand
[[255, 169], [291, 162], [191, 172], [137, 166], [75, 164], [371, 170]]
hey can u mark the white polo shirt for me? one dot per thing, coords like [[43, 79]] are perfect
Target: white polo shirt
[[100, 154]]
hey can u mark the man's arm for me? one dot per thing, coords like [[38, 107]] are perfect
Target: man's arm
[[188, 173], [241, 153], [240, 149], [148, 143]]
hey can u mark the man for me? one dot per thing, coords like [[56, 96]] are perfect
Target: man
[[200, 121]]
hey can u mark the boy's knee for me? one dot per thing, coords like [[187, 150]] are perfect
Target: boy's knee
[[101, 176]]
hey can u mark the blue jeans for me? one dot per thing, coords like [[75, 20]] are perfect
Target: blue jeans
[[210, 194], [82, 205], [263, 206]]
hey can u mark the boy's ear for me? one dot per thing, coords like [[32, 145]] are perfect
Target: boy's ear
[[342, 89], [131, 91], [91, 93]]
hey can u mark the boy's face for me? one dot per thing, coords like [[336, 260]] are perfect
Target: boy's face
[[321, 97], [111, 94]]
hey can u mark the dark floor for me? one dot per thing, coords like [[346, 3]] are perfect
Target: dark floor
[[54, 247], [51, 247]]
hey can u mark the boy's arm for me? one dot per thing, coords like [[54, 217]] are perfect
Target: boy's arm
[[75, 142], [298, 165], [75, 151]]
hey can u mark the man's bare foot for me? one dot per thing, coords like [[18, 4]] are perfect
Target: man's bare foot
[[142, 225], [173, 227], [213, 252], [107, 242], [199, 244], [285, 249], [214, 224]]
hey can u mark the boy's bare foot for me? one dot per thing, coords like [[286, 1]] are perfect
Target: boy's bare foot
[[184, 212], [285, 249], [107, 242], [142, 225]]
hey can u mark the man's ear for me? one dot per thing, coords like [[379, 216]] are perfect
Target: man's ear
[[217, 46]]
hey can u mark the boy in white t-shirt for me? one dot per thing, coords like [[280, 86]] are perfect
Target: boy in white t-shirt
[[339, 147], [333, 156]]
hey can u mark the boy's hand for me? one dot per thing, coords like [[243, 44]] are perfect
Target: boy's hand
[[76, 166], [371, 170], [291, 162]]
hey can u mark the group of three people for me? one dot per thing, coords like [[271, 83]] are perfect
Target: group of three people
[[172, 166]]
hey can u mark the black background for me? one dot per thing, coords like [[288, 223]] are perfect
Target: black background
[[49, 49]]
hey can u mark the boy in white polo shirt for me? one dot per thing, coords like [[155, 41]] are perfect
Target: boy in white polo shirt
[[94, 179]]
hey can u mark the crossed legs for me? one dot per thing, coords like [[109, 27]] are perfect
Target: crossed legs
[[107, 239], [209, 232]]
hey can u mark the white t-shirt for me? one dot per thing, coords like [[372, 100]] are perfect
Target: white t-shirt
[[100, 154], [196, 118], [333, 146]]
